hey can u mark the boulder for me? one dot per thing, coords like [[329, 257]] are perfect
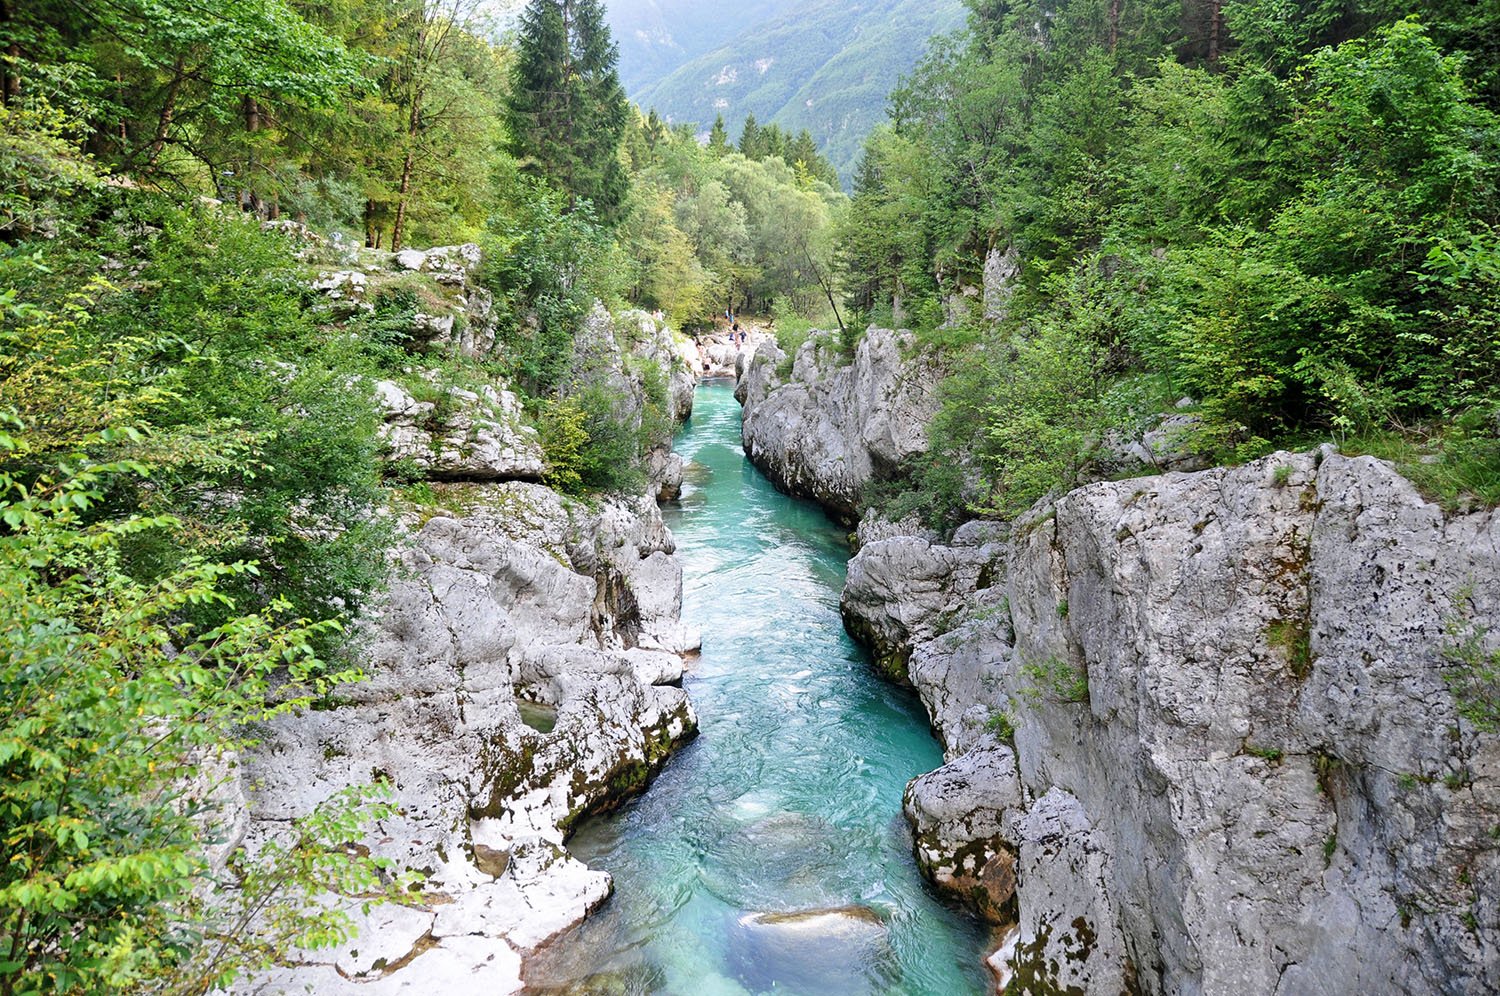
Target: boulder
[[959, 815]]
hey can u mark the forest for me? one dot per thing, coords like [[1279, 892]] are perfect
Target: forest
[[1277, 217], [194, 498]]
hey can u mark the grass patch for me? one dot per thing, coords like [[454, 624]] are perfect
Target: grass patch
[[1457, 468], [1055, 679], [1002, 725], [1270, 754], [1293, 637]]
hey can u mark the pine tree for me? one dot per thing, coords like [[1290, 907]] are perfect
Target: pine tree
[[804, 150], [718, 138], [567, 110], [752, 143], [773, 143]]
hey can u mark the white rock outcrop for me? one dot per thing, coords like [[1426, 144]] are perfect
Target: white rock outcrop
[[522, 671], [524, 598], [464, 435], [836, 423], [1239, 756]]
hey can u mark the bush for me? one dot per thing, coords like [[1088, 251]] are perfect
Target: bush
[[589, 446], [260, 427], [111, 708]]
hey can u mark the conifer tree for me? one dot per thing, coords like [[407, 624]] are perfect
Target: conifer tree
[[567, 110], [752, 143], [718, 138]]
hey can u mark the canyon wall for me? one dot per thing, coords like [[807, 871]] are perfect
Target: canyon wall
[[1206, 732]]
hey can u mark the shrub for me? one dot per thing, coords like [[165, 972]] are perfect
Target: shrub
[[1473, 671], [110, 706]]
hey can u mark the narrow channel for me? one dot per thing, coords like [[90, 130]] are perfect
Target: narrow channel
[[771, 855]]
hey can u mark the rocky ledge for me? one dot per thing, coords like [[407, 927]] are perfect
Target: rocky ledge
[[1209, 732], [523, 670], [523, 673]]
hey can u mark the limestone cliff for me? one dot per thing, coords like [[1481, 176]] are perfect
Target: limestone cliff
[[523, 671], [834, 423], [1203, 732]]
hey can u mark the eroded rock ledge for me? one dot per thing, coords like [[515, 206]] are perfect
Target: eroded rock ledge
[[526, 602], [1203, 724], [523, 672], [834, 423]]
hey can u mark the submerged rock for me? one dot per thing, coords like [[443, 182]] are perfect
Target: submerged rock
[[826, 951]]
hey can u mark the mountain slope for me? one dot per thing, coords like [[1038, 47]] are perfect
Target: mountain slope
[[824, 65], [657, 37]]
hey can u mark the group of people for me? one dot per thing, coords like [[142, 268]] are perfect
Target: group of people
[[737, 335]]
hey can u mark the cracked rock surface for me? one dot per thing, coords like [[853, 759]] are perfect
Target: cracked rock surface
[[525, 598], [835, 423], [1210, 719]]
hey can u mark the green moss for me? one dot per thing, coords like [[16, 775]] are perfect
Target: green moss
[[1293, 637]]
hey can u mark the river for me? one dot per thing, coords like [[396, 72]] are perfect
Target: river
[[789, 800]]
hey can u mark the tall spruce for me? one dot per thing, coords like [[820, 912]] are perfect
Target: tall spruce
[[718, 138], [752, 142], [567, 110]]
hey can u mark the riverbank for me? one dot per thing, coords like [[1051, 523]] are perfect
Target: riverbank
[[772, 848]]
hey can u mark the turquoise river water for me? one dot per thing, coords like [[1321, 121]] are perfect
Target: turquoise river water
[[789, 800]]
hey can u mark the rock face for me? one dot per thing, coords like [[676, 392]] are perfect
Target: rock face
[[1211, 721], [448, 307], [648, 370], [835, 424], [508, 604], [463, 435], [524, 598]]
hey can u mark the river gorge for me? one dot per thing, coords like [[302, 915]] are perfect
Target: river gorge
[[771, 854]]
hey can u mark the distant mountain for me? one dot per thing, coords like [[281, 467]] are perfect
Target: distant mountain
[[823, 65]]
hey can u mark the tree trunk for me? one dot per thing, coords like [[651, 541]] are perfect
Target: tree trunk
[[1114, 25], [1215, 9], [398, 228], [413, 128], [369, 223], [124, 131], [570, 133], [168, 110], [827, 286], [251, 110]]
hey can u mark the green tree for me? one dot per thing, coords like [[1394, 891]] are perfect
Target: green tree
[[115, 712], [752, 142], [718, 137], [567, 110]]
